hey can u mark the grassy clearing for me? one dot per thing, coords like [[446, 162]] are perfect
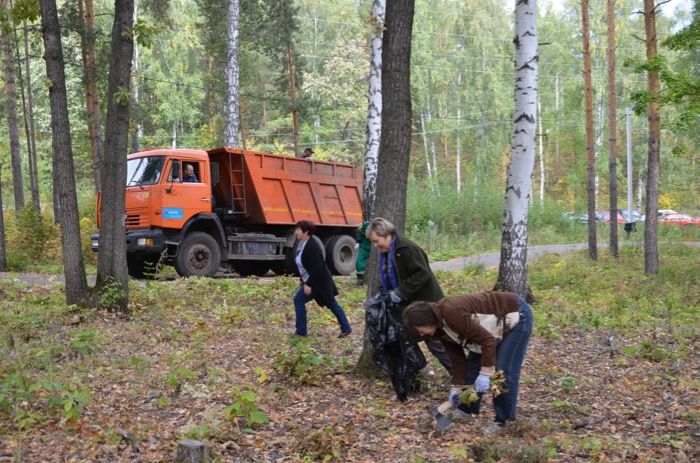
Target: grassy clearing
[[212, 359]]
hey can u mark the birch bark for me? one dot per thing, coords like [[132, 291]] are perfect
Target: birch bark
[[233, 120]]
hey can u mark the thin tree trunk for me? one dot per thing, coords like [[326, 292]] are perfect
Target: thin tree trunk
[[395, 144], [3, 248], [374, 110], [512, 270], [92, 103], [28, 116], [540, 143], [111, 264], [11, 110], [62, 157], [293, 98], [424, 129], [232, 76], [612, 129], [137, 130], [651, 252], [590, 144]]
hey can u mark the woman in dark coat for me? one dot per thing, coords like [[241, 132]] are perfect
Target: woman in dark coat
[[316, 281]]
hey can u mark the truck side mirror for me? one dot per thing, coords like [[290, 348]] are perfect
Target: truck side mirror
[[174, 174]]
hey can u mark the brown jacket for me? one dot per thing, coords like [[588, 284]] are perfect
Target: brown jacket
[[476, 322]]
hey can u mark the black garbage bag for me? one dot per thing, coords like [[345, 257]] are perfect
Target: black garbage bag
[[401, 359]]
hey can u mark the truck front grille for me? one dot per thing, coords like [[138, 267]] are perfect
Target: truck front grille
[[136, 219]]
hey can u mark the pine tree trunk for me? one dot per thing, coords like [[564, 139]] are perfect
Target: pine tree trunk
[[293, 98], [137, 127], [232, 77], [62, 157], [590, 151], [111, 264], [512, 271], [374, 110], [92, 104], [3, 248], [651, 252], [395, 143], [612, 129], [11, 110]]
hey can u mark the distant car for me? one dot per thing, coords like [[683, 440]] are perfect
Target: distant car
[[682, 220], [661, 213], [636, 216], [605, 217]]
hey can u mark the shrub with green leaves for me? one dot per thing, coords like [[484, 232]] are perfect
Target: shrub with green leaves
[[302, 364], [244, 407]]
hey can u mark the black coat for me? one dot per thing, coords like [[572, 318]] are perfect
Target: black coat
[[323, 288]]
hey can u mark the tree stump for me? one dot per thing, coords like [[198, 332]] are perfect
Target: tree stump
[[192, 451]]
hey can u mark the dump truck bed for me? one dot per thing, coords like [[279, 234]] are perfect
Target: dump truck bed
[[261, 188]]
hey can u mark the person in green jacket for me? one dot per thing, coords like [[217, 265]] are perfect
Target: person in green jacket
[[404, 271], [364, 248]]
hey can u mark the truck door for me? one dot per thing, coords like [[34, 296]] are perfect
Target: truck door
[[185, 196]]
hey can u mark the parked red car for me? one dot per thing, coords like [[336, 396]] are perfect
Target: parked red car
[[682, 220]]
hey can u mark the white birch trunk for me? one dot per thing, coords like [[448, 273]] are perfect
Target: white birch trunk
[[425, 147], [173, 144], [540, 138], [232, 77], [374, 108], [512, 272]]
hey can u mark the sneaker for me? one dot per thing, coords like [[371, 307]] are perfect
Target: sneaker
[[494, 428]]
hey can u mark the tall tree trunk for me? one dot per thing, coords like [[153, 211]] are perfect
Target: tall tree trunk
[[137, 127], [232, 76], [62, 157], [293, 98], [11, 109], [374, 110], [512, 270], [111, 264], [540, 143], [395, 143], [92, 102], [651, 252], [424, 129], [612, 129], [28, 116], [3, 248], [590, 145]]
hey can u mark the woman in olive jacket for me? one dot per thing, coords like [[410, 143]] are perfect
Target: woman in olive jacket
[[316, 281], [482, 333], [404, 271]]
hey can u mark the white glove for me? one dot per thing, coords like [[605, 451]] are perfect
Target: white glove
[[482, 383], [394, 297]]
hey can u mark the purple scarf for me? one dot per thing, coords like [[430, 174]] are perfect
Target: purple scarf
[[387, 267]]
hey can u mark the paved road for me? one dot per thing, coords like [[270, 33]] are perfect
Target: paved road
[[488, 260], [492, 259]]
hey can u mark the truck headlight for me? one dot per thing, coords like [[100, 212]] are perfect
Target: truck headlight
[[95, 244], [144, 242]]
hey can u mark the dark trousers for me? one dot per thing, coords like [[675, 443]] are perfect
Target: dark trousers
[[509, 358], [438, 350], [300, 300]]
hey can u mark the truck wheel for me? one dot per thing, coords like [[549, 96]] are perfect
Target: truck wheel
[[143, 266], [341, 254], [198, 255], [246, 268], [279, 267]]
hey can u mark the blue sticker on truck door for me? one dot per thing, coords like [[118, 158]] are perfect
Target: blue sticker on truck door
[[172, 213]]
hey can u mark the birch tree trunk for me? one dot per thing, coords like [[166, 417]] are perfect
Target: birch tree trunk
[[590, 154], [11, 110], [512, 271], [540, 142], [111, 264], [137, 128], [62, 158], [612, 129], [92, 103], [651, 252], [374, 109], [395, 142], [232, 77]]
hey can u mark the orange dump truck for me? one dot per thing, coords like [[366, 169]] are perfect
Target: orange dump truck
[[238, 210]]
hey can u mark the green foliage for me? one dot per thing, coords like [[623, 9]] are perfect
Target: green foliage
[[144, 33], [303, 364], [111, 294], [244, 406], [30, 239]]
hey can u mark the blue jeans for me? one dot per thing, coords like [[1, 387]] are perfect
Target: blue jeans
[[300, 300], [509, 358]]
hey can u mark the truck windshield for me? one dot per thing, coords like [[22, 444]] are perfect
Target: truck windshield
[[144, 171]]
